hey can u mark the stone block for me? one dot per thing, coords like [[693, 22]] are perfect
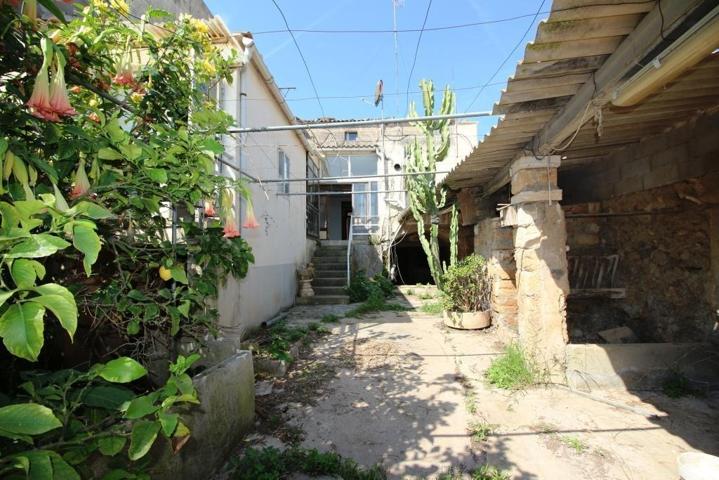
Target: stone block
[[637, 166], [628, 185], [664, 175], [225, 414], [534, 179]]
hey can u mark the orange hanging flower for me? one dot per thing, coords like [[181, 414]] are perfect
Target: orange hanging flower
[[228, 214], [251, 221], [209, 206], [59, 100], [123, 74], [39, 102], [82, 184]]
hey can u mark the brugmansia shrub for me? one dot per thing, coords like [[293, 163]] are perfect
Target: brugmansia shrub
[[108, 145]]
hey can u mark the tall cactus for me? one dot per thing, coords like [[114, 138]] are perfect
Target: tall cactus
[[424, 198]]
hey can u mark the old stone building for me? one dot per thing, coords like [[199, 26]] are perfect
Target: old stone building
[[596, 196]]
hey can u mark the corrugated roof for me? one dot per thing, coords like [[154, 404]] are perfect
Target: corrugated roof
[[570, 46]]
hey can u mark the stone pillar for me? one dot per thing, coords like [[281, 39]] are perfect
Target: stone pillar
[[540, 253]]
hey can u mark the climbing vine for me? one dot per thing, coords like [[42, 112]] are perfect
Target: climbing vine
[[115, 234]]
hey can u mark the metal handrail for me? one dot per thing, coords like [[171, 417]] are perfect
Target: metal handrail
[[349, 247]]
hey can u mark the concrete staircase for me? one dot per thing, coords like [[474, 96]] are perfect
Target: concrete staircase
[[330, 261]]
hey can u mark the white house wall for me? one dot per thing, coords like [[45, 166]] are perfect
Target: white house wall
[[279, 244]]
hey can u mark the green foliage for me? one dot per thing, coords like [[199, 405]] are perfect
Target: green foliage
[[467, 287], [512, 370], [86, 251], [480, 431], [425, 200], [677, 385], [330, 318], [485, 472], [574, 443], [434, 308], [62, 418], [273, 464], [362, 288]]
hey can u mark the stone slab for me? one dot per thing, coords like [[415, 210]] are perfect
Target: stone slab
[[639, 365], [226, 413]]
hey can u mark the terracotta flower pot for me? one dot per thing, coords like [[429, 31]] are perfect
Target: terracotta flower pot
[[467, 320]]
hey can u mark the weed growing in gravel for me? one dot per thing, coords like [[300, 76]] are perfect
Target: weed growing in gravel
[[434, 308], [330, 318], [574, 443], [479, 431], [273, 464], [485, 472], [512, 371]]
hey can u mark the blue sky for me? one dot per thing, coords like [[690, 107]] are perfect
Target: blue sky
[[351, 64]]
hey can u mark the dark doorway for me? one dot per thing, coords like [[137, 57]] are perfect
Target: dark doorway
[[345, 210]]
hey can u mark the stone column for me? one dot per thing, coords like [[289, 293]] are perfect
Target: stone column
[[540, 253]]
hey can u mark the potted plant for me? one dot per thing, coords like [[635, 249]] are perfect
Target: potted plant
[[466, 292]]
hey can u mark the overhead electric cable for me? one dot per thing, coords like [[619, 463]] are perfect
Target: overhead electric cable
[[501, 65], [299, 50], [416, 49], [448, 27]]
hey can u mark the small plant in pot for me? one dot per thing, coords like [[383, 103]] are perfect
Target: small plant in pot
[[466, 294]]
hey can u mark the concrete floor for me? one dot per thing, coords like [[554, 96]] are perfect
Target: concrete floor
[[400, 394]]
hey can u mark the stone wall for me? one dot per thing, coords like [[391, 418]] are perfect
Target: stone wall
[[663, 239], [495, 244], [688, 151]]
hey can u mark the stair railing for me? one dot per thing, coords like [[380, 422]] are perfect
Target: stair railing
[[349, 246]]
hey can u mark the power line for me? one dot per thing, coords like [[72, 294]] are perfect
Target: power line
[[299, 50], [416, 49], [447, 27], [521, 40]]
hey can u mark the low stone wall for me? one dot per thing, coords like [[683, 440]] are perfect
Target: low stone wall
[[640, 366], [225, 414], [366, 258], [496, 245]]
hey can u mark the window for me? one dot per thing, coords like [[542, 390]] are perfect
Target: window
[[313, 201], [284, 171], [350, 136]]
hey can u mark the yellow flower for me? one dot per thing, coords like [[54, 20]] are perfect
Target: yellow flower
[[199, 25], [136, 97], [209, 67], [93, 102]]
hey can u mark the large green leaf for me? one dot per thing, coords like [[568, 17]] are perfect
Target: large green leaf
[[168, 422], [5, 295], [178, 274], [141, 406], [21, 328], [91, 210], [108, 153], [40, 465], [64, 309], [88, 242], [158, 175], [37, 246], [24, 273], [28, 419], [109, 397], [61, 470], [111, 446], [52, 8], [122, 370], [143, 436]]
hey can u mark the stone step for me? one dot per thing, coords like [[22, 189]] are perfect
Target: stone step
[[334, 290], [323, 300], [331, 250], [330, 267], [330, 259], [329, 282]]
